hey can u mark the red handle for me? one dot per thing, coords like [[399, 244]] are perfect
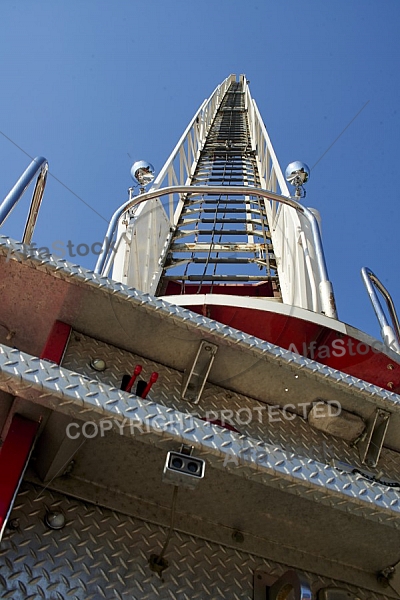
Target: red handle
[[153, 379], [136, 372]]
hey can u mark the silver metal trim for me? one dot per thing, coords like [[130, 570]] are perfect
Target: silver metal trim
[[370, 278], [70, 393], [38, 166], [371, 443], [76, 274], [196, 376]]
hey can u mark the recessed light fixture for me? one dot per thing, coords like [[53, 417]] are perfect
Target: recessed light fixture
[[54, 520], [98, 364]]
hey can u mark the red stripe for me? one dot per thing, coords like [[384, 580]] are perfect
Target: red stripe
[[14, 456], [56, 342]]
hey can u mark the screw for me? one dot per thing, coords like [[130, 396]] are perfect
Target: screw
[[68, 468], [390, 385], [238, 537], [390, 367]]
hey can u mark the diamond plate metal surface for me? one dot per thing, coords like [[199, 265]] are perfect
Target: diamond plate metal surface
[[103, 554], [285, 455], [76, 395], [247, 415], [77, 275]]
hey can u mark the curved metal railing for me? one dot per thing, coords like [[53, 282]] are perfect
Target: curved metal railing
[[39, 166], [390, 334], [326, 290]]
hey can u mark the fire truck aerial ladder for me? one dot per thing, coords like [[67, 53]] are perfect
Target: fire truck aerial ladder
[[191, 419]]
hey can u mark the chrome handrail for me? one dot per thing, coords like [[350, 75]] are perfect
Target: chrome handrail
[[391, 335], [327, 297], [38, 165]]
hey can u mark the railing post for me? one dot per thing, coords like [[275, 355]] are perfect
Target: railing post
[[38, 166], [390, 335]]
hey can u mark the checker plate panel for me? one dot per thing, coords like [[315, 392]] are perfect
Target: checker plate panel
[[102, 554]]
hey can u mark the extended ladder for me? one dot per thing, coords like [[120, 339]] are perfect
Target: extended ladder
[[221, 240]]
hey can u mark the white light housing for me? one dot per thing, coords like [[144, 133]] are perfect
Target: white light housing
[[297, 171], [143, 172], [98, 364], [183, 469]]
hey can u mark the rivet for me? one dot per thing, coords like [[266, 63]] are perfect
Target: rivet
[[390, 385], [390, 367], [238, 537], [13, 524]]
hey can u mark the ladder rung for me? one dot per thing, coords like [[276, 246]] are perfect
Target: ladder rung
[[199, 247], [216, 232], [222, 220], [218, 201], [224, 261], [233, 180], [227, 158], [224, 211], [204, 278]]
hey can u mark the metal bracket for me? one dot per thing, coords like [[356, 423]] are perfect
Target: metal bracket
[[370, 444], [390, 576], [292, 584], [195, 378]]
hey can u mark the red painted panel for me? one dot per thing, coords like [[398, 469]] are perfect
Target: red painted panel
[[14, 456], [263, 289], [56, 342], [311, 340]]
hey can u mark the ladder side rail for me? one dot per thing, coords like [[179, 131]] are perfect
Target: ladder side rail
[[306, 252], [390, 335], [259, 143], [39, 166], [184, 156], [169, 164], [268, 164], [182, 148], [269, 152]]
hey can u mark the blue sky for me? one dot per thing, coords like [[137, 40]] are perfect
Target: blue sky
[[94, 85]]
